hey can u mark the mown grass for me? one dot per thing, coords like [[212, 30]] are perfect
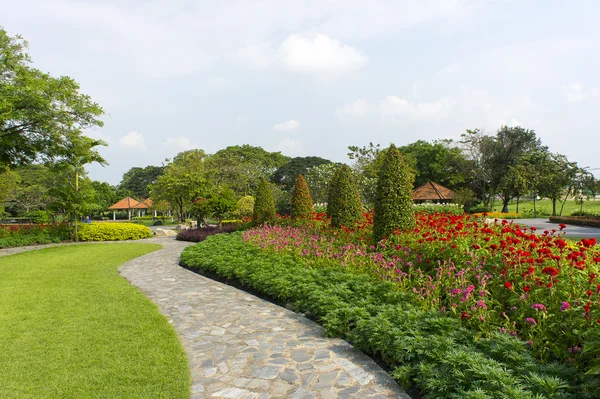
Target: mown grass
[[71, 327], [544, 207]]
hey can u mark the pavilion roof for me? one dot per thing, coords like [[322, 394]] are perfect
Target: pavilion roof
[[432, 191], [125, 203]]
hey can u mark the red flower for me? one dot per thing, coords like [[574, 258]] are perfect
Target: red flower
[[562, 226], [526, 288], [551, 271], [475, 246], [508, 285]]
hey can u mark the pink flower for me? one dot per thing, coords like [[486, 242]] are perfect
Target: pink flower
[[564, 306], [531, 321], [538, 306]]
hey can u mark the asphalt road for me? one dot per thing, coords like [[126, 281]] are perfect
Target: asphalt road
[[570, 230]]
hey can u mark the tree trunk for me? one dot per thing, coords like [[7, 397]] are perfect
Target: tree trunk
[[553, 206], [505, 202], [565, 200], [518, 198], [534, 205]]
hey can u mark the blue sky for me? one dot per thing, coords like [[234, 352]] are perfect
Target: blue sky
[[313, 77]]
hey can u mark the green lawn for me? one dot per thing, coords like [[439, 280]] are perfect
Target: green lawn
[[545, 207], [71, 327]]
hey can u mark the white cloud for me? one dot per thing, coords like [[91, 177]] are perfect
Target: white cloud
[[287, 126], [320, 54], [575, 92], [257, 56], [218, 83], [180, 143], [392, 107], [133, 139], [290, 146]]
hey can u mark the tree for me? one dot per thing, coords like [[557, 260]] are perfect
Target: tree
[[343, 204], [136, 180], [366, 165], [183, 181], [393, 204], [477, 148], [31, 193], [245, 206], [318, 178], [440, 162], [556, 176], [105, 195], [286, 174], [40, 116], [264, 205], [240, 167], [302, 203]]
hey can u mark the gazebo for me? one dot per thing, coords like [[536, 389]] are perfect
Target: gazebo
[[128, 204], [434, 192]]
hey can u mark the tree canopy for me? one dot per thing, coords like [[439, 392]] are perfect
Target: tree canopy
[[286, 174], [137, 179], [40, 116]]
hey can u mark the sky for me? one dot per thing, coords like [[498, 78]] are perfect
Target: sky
[[312, 77]]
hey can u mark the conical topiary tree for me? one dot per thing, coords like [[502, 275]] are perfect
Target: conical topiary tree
[[343, 203], [264, 203], [393, 199], [302, 205]]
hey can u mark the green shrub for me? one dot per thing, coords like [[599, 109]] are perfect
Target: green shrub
[[264, 205], [587, 221], [393, 200], [423, 349], [112, 232], [302, 204], [245, 206], [455, 209], [343, 203], [18, 236]]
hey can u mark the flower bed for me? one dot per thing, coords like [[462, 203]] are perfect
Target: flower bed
[[21, 235], [426, 348]]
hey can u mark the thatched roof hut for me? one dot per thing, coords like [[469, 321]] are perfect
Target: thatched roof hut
[[431, 191]]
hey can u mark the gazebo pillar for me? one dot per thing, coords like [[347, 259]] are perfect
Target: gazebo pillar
[[114, 215]]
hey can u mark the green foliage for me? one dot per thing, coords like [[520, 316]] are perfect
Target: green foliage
[[285, 175], [112, 232], [302, 203], [40, 116], [217, 205], [393, 204], [318, 178], [240, 167], [425, 349], [136, 180], [455, 209], [264, 205], [343, 204], [245, 206], [183, 181], [366, 165]]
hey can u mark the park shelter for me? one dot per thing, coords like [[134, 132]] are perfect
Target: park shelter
[[433, 192], [128, 204], [141, 208]]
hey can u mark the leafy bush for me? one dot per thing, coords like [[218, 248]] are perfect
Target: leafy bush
[[18, 236], [39, 217], [393, 200], [302, 205], [343, 204], [197, 235], [264, 205], [245, 206], [112, 231], [426, 349], [589, 221], [479, 209]]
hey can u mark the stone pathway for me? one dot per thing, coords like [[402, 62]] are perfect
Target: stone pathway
[[240, 346]]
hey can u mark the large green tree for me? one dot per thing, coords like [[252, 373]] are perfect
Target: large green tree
[[318, 179], [240, 167], [136, 180], [40, 116], [182, 181], [285, 176]]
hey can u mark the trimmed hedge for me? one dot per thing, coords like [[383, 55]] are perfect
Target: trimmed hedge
[[423, 349], [112, 232], [302, 204], [587, 221], [264, 203], [393, 200], [343, 202]]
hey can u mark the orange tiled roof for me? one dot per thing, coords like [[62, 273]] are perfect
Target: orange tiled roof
[[432, 191], [125, 203]]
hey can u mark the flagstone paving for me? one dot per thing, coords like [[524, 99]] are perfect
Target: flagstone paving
[[240, 346]]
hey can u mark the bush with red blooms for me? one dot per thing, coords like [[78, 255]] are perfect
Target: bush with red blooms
[[197, 235], [536, 286]]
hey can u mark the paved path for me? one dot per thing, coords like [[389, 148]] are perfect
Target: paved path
[[571, 230], [240, 346]]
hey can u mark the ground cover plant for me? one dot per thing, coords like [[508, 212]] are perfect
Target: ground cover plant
[[21, 235], [423, 347], [587, 221], [70, 326]]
